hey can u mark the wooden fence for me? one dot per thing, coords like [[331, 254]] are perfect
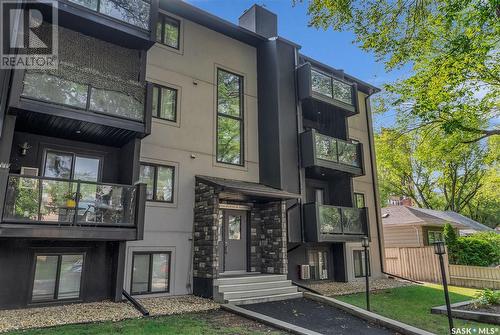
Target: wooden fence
[[475, 276], [421, 264]]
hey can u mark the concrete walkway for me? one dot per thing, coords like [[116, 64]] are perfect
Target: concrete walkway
[[317, 317]]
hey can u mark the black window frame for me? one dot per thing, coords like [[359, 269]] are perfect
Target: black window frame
[[74, 155], [156, 114], [240, 119], [150, 272], [362, 195], [58, 276], [327, 263], [162, 17], [155, 181], [361, 252]]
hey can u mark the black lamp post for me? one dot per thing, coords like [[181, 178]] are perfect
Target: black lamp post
[[366, 243], [440, 250]]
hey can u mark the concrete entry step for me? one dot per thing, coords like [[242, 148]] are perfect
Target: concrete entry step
[[259, 293], [268, 298], [248, 279], [254, 286]]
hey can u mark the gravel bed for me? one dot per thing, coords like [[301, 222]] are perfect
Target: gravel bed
[[330, 288], [99, 311], [177, 305]]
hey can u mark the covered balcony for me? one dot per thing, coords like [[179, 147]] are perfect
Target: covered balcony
[[325, 155], [100, 98], [321, 89], [41, 207], [130, 23], [324, 223]]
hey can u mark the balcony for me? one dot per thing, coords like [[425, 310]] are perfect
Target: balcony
[[330, 223], [327, 155], [36, 207], [100, 98], [326, 90], [130, 23]]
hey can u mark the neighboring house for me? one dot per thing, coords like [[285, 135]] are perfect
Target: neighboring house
[[163, 155], [399, 201], [406, 226]]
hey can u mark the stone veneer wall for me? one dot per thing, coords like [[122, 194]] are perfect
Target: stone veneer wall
[[268, 253], [206, 211]]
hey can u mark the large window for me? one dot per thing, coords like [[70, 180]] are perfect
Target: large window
[[159, 180], [434, 235], [57, 277], [150, 272], [318, 263], [229, 118], [359, 263], [165, 103], [67, 165], [168, 31]]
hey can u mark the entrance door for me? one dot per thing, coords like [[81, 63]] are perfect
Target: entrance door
[[234, 240]]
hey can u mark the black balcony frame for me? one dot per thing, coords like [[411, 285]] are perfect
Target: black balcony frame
[[305, 90], [312, 225], [309, 156], [26, 228]]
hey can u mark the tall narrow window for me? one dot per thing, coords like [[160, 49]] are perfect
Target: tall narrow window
[[359, 200], [168, 31], [359, 263], [57, 277], [159, 180], [164, 103], [150, 272], [229, 118]]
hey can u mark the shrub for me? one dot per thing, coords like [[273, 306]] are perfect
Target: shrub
[[474, 251], [487, 297], [450, 237]]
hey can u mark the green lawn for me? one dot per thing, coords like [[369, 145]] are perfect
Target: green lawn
[[187, 324], [412, 305]]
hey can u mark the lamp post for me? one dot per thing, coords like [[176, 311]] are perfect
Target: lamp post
[[366, 243], [440, 250]]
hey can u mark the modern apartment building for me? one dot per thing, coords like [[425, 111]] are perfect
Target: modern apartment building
[[173, 152]]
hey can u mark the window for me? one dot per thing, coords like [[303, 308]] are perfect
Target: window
[[150, 272], [67, 165], [360, 200], [159, 180], [318, 262], [57, 277], [229, 118], [165, 103], [234, 227], [168, 31], [359, 263], [434, 235]]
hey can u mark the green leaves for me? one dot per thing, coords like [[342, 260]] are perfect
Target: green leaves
[[452, 46]]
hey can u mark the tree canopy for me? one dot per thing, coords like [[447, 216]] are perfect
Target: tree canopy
[[452, 47]]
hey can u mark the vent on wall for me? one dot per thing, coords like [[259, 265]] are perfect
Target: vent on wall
[[29, 171], [305, 272]]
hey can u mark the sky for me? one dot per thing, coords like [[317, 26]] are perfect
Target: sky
[[330, 47]]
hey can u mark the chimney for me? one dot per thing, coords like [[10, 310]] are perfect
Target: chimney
[[260, 21]]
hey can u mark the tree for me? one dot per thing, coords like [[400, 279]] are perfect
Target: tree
[[450, 237], [452, 47], [431, 168]]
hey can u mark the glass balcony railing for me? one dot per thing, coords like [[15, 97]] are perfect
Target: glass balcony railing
[[134, 12], [50, 88], [69, 202], [341, 220], [336, 150], [332, 88]]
